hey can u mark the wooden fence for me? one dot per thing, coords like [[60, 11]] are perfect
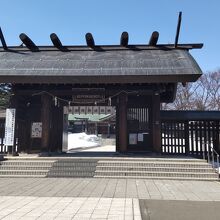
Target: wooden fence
[[182, 132], [190, 137]]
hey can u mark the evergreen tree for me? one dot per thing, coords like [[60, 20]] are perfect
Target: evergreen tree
[[5, 93]]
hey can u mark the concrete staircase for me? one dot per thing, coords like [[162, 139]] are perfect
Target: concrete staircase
[[27, 167], [73, 168], [156, 168], [115, 167]]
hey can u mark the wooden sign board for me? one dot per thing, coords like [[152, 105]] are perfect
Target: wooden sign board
[[36, 130]]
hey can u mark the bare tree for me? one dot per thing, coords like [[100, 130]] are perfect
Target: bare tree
[[201, 95], [183, 100], [214, 90], [5, 93]]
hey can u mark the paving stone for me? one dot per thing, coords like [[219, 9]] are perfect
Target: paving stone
[[116, 217], [99, 216], [95, 203]]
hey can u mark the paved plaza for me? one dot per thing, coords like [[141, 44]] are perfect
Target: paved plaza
[[91, 198], [111, 188]]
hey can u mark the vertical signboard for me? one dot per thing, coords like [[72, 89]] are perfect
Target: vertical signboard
[[133, 138], [36, 130], [9, 127]]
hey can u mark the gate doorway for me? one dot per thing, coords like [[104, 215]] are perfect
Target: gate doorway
[[89, 128]]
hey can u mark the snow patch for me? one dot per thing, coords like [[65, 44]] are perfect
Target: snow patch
[[82, 141]]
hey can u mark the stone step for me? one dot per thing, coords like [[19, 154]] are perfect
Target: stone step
[[48, 159], [22, 176], [153, 164], [142, 160], [155, 174], [26, 163], [83, 169], [61, 164], [155, 169], [70, 174], [23, 172], [159, 178], [24, 167]]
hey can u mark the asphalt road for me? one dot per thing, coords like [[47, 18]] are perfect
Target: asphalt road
[[179, 210]]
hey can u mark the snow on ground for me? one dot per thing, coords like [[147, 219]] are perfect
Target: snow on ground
[[85, 142]]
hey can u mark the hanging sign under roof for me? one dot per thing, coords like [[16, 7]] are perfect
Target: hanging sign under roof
[[87, 110], [88, 95]]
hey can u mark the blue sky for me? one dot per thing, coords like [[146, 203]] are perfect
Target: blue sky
[[71, 19]]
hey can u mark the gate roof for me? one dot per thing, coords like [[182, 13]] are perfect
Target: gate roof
[[104, 64]]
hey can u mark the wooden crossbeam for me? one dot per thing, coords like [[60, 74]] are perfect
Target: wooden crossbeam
[[3, 40], [28, 42], [154, 38], [90, 40], [56, 41], [124, 39]]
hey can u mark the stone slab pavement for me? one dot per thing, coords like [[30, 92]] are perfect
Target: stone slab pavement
[[93, 198]]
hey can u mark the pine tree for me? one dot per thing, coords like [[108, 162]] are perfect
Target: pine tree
[[5, 93]]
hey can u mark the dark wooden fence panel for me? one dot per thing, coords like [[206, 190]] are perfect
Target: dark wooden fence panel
[[173, 137], [190, 137]]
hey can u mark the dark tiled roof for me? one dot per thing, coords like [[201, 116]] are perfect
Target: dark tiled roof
[[102, 66]]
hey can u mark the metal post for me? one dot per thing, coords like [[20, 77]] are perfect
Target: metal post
[[218, 165], [213, 159], [203, 150]]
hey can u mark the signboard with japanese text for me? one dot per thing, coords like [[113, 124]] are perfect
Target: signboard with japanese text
[[140, 137], [132, 138], [36, 130], [89, 110], [10, 126]]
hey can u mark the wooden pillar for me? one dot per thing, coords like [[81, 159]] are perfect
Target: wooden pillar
[[45, 118], [122, 123], [156, 127], [57, 128]]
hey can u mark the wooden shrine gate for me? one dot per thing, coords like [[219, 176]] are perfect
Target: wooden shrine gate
[[182, 132]]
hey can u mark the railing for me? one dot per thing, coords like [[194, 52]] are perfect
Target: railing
[[214, 155]]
